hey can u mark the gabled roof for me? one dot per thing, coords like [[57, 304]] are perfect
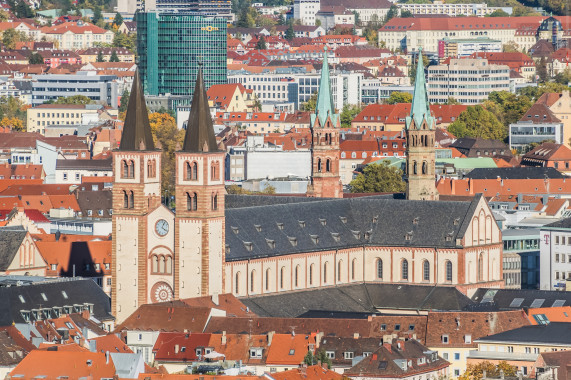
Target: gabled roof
[[137, 134], [549, 98], [509, 299], [549, 314], [539, 113], [289, 348], [199, 135], [173, 316], [179, 346], [315, 372], [548, 152], [11, 239]]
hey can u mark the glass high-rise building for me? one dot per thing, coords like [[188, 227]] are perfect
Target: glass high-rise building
[[171, 46]]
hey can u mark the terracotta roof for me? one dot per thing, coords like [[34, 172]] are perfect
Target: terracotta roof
[[236, 346], [554, 206], [52, 189], [227, 302], [549, 98], [74, 27], [173, 316], [553, 314], [289, 348], [548, 152], [22, 171], [179, 346], [222, 94], [86, 259], [490, 187], [314, 372], [59, 364], [459, 23]]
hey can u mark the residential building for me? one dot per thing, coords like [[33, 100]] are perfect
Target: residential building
[[230, 98], [330, 16], [521, 258], [516, 61], [55, 58], [72, 171], [20, 254], [521, 347], [478, 147], [553, 365], [439, 7], [458, 48], [469, 81], [100, 88], [170, 65], [305, 10], [549, 155], [45, 115], [538, 124], [408, 34], [77, 35], [366, 9], [555, 255], [92, 54], [560, 105]]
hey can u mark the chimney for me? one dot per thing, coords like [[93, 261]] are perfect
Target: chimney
[[215, 299], [356, 335], [388, 339], [223, 340], [93, 345], [176, 348], [270, 337], [107, 357], [471, 185], [519, 198], [453, 186]]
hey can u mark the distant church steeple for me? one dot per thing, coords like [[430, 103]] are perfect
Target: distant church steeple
[[420, 132], [325, 124]]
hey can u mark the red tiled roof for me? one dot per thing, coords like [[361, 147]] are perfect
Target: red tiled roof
[[59, 364], [179, 346], [73, 27], [289, 348], [462, 23]]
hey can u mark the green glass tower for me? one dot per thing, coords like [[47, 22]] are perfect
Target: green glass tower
[[171, 46]]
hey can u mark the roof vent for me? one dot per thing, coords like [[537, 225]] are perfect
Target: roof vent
[[415, 220], [236, 230], [258, 227], [343, 219], [315, 239], [249, 246], [323, 221], [368, 234], [356, 234], [375, 219], [271, 243], [293, 241], [227, 248], [301, 223], [456, 221], [280, 226], [336, 236]]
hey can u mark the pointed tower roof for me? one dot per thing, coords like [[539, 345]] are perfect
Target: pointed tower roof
[[420, 107], [137, 129], [199, 130], [324, 106]]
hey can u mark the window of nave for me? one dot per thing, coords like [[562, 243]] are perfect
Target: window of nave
[[161, 264], [404, 270], [191, 171], [127, 169]]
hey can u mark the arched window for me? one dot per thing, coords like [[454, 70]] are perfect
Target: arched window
[[448, 270], [404, 270], [214, 171], [325, 273], [296, 276], [328, 165], [191, 202], [311, 274], [282, 273], [131, 169], [161, 264], [268, 279], [215, 202], [168, 265], [319, 165], [339, 264], [424, 167], [194, 174], [125, 169], [353, 269], [426, 270], [343, 154], [188, 176], [480, 267], [252, 276], [237, 284], [364, 155], [151, 172], [125, 199], [379, 268], [131, 200], [155, 260], [414, 167]]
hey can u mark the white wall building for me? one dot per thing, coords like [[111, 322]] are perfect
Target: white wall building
[[469, 81], [555, 255], [439, 7], [305, 10]]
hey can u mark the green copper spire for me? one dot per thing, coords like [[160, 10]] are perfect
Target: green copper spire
[[324, 106], [420, 107]]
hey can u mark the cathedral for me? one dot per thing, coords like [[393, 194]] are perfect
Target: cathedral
[[254, 245]]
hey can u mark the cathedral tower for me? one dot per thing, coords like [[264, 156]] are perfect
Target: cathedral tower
[[420, 151], [136, 192], [325, 124], [199, 221]]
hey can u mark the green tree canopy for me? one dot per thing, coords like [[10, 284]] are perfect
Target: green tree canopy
[[348, 114], [290, 33], [100, 57], [35, 58], [10, 36], [118, 19], [311, 103], [399, 97], [563, 77], [378, 178], [476, 371], [511, 107], [261, 44], [476, 121], [114, 57], [124, 101], [76, 99], [499, 13]]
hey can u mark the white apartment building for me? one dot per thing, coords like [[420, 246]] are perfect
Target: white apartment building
[[45, 115], [457, 48], [469, 81], [408, 34], [555, 255], [439, 7], [298, 86], [305, 10]]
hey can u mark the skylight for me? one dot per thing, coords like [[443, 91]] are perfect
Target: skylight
[[537, 302], [516, 302]]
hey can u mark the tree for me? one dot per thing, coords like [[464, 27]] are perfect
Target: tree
[[124, 102], [13, 108], [510, 47], [406, 14], [563, 77], [311, 103], [100, 57], [76, 99], [290, 33], [13, 123], [23, 10], [452, 101], [499, 13], [476, 371], [97, 15], [321, 356], [309, 358], [357, 18], [476, 121], [378, 178], [348, 114], [10, 36], [541, 70], [170, 138], [128, 41], [261, 44], [114, 57], [399, 97], [118, 19], [535, 92], [393, 12], [35, 59], [507, 107]]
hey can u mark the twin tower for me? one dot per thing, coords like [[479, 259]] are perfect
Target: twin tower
[[158, 256]]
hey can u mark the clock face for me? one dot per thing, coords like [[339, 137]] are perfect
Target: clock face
[[162, 227]]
